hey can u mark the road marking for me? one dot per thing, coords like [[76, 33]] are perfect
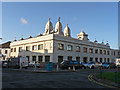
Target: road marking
[[91, 79]]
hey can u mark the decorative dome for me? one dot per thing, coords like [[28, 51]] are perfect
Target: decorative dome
[[40, 34], [48, 27], [82, 33], [95, 40], [102, 42], [58, 27], [30, 36], [21, 38], [15, 39], [67, 31], [82, 36]]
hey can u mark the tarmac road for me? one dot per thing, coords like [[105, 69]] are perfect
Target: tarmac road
[[17, 79]]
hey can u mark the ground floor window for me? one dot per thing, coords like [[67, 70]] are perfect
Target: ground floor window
[[28, 58], [60, 59], [101, 60], [96, 59], [47, 58], [104, 59], [33, 58], [85, 59], [91, 59], [40, 58], [69, 57], [108, 60], [78, 59]]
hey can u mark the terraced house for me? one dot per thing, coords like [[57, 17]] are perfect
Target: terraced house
[[56, 46]]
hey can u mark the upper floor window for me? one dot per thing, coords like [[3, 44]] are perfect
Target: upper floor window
[[108, 53], [85, 49], [104, 51], [14, 49], [100, 51], [77, 49], [114, 53], [96, 50], [34, 47], [5, 51], [20, 49], [90, 50], [11, 49], [40, 46], [27, 48], [69, 47], [60, 46]]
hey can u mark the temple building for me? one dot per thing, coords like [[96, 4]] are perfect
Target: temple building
[[56, 46]]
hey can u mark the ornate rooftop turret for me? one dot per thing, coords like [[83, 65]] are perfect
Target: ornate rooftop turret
[[107, 43], [82, 36], [67, 31], [58, 27], [48, 27]]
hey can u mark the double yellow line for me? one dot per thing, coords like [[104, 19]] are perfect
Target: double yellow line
[[92, 80]]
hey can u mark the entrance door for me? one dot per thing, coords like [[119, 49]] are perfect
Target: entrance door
[[60, 59], [47, 58]]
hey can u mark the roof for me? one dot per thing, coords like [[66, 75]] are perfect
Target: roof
[[5, 45]]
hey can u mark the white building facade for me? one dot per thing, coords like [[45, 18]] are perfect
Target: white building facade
[[5, 51], [56, 46]]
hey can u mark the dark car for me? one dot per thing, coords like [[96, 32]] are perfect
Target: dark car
[[112, 65], [105, 65], [70, 63], [4, 64]]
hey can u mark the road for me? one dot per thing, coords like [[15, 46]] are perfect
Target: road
[[79, 79]]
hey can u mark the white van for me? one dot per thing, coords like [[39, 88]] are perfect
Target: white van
[[117, 62]]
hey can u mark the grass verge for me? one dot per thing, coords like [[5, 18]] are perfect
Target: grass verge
[[109, 76]]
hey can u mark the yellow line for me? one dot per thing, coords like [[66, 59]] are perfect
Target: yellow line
[[90, 79]]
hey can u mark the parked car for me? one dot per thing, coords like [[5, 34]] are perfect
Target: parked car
[[117, 62], [84, 64], [112, 65], [70, 63], [4, 63], [105, 65], [93, 65], [33, 63]]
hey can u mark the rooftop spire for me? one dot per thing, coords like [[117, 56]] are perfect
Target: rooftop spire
[[49, 18], [82, 29], [59, 19]]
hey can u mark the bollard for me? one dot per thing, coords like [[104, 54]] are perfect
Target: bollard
[[100, 72], [73, 68], [35, 67], [115, 77], [57, 67], [69, 68]]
